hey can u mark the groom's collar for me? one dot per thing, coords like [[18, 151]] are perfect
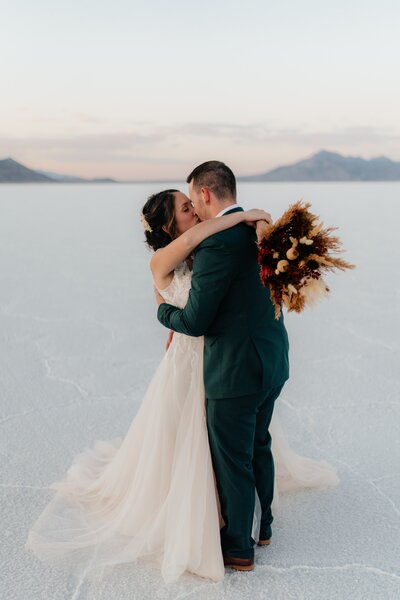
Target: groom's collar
[[229, 209]]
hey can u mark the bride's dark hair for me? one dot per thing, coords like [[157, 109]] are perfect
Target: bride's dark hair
[[159, 212]]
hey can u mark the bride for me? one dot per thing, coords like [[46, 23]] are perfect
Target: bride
[[152, 494]]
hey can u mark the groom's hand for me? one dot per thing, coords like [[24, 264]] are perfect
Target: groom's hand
[[159, 298]]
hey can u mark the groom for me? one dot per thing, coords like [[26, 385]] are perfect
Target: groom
[[245, 361]]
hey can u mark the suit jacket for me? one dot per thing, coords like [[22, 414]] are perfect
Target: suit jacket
[[245, 347]]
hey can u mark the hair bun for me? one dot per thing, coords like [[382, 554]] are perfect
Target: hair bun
[[158, 219]]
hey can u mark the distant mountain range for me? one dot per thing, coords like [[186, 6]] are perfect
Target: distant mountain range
[[12, 171], [323, 166], [330, 166]]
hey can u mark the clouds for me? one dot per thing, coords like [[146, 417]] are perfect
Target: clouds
[[86, 147], [261, 134], [170, 150]]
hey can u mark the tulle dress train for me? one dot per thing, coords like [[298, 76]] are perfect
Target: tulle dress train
[[152, 493]]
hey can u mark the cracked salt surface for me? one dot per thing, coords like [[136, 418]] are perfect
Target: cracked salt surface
[[79, 341]]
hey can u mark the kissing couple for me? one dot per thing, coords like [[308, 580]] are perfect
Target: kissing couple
[[192, 482]]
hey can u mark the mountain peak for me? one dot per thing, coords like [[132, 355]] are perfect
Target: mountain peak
[[324, 153], [13, 172], [331, 166]]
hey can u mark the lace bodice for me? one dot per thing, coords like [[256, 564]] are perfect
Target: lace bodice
[[177, 292]]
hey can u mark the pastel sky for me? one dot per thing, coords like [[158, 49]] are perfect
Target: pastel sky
[[148, 89]]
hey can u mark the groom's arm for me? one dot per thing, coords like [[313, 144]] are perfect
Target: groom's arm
[[212, 275]]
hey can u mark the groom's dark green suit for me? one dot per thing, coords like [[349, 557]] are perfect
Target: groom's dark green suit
[[245, 367]]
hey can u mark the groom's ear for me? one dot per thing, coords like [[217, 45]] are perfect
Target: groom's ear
[[205, 194]]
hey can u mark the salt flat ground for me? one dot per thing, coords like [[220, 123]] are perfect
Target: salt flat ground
[[79, 341]]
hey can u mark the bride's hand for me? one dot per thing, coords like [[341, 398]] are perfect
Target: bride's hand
[[262, 229], [169, 340], [260, 220], [256, 214]]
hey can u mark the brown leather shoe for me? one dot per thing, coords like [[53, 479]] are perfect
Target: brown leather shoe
[[264, 542], [239, 564]]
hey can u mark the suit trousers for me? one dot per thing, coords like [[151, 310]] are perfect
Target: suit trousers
[[240, 446]]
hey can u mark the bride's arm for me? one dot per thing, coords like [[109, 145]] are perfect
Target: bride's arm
[[164, 261]]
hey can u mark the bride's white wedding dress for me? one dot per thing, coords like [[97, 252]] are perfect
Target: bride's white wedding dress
[[152, 493]]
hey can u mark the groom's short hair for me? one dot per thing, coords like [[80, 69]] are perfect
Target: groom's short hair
[[216, 176]]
